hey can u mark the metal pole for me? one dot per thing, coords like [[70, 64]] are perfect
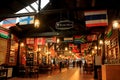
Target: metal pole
[[39, 5], [18, 54]]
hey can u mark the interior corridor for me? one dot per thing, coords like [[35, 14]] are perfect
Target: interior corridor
[[73, 73]]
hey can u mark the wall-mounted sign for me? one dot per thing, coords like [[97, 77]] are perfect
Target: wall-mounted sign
[[65, 24]]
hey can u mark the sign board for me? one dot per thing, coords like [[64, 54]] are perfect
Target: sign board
[[63, 25]]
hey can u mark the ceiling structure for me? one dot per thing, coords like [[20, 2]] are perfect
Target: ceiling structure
[[55, 11]]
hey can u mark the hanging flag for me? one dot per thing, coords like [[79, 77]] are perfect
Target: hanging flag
[[9, 22], [75, 49], [68, 39], [26, 20], [80, 39], [91, 37], [71, 45], [51, 40], [109, 33], [30, 41], [96, 18], [4, 34], [41, 41]]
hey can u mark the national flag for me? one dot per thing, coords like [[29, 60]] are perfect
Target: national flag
[[91, 37], [80, 39], [9, 22], [26, 20], [75, 49], [68, 39], [96, 18], [41, 41], [109, 33], [51, 40], [71, 45], [30, 41], [4, 34]]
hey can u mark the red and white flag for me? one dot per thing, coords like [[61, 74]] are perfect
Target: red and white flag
[[96, 18]]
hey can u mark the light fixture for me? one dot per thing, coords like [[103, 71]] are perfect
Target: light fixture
[[37, 23], [101, 42], [66, 48], [58, 40], [115, 24], [37, 20], [22, 44], [93, 52], [95, 47]]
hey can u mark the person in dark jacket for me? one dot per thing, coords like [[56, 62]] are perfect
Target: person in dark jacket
[[60, 66]]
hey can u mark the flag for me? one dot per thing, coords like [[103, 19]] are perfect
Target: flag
[[26, 20], [9, 22], [80, 39], [41, 41], [4, 34], [30, 41], [91, 37], [51, 40], [109, 33], [68, 39], [84, 47], [96, 18], [75, 49]]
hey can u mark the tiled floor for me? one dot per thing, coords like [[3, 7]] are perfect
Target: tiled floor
[[65, 74]]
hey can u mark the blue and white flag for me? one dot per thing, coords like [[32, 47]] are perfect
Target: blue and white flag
[[96, 18], [26, 20]]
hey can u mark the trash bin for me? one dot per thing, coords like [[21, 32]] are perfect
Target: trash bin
[[99, 74]]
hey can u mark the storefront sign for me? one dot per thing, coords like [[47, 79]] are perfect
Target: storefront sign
[[63, 25]]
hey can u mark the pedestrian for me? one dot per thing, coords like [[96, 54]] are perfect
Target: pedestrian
[[73, 63], [80, 63], [60, 66]]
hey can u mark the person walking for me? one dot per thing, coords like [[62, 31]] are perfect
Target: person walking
[[80, 63], [60, 66]]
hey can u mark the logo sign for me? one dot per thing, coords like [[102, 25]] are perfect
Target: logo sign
[[63, 25]]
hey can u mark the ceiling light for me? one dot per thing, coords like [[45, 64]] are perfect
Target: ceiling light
[[37, 23]]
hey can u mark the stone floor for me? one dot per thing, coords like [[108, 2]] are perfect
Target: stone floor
[[66, 74]]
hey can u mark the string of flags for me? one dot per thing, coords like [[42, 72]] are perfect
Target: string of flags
[[92, 19]]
